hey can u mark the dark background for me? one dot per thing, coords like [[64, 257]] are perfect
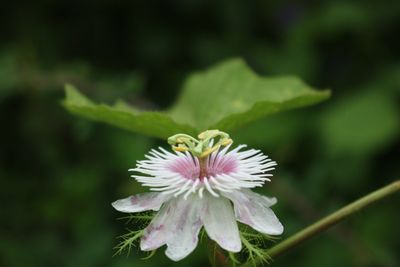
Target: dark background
[[59, 172]]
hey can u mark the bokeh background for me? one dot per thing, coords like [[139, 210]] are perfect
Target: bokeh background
[[59, 172]]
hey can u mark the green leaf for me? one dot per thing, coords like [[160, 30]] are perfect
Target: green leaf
[[122, 115], [230, 95], [225, 97]]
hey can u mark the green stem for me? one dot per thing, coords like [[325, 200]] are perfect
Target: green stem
[[332, 219]]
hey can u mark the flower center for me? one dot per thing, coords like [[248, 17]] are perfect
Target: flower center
[[206, 167]]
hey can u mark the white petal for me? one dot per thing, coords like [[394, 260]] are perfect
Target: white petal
[[220, 224], [253, 209], [140, 202], [158, 231], [185, 228]]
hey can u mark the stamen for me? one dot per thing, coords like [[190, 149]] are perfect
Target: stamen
[[199, 148]]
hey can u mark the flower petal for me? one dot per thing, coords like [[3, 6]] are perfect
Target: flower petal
[[220, 223], [141, 202], [186, 225], [253, 209], [157, 232]]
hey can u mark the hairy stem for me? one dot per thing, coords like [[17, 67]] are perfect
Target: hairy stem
[[332, 219]]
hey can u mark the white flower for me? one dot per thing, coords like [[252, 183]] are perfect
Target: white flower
[[190, 192]]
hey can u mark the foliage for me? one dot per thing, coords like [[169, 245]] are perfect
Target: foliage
[[59, 173], [225, 97]]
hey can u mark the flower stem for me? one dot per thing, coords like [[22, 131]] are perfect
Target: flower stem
[[332, 219]]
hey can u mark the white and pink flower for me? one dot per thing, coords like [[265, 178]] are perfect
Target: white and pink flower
[[213, 191]]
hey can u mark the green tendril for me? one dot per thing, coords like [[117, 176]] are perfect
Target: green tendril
[[128, 241], [254, 247], [151, 254], [233, 259], [138, 217], [254, 250]]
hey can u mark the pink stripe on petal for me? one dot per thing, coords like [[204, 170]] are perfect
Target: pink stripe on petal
[[185, 166], [185, 228], [215, 164], [157, 232]]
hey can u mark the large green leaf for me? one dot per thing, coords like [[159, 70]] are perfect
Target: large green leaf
[[122, 115], [231, 94], [226, 97]]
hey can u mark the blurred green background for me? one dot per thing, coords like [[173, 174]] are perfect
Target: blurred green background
[[59, 173]]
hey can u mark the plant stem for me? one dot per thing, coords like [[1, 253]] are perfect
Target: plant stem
[[332, 219]]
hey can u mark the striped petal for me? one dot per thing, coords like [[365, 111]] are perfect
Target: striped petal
[[157, 233], [185, 227], [253, 209]]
